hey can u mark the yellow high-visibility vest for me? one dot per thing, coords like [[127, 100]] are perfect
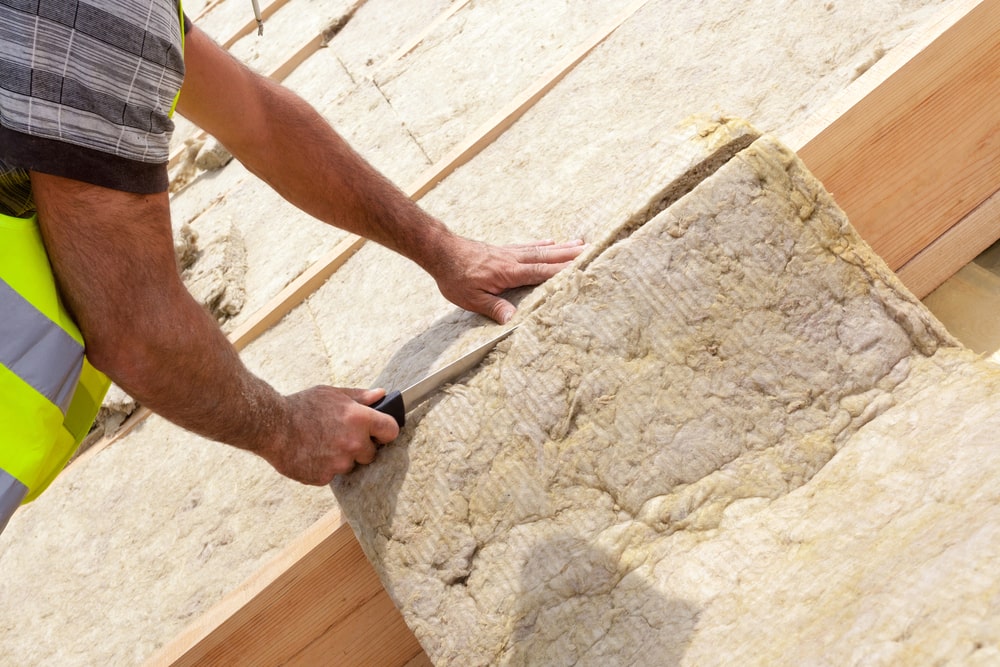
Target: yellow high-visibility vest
[[49, 393]]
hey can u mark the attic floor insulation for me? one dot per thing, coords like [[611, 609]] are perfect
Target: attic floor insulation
[[734, 437]]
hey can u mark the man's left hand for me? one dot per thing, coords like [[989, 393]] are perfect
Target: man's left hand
[[477, 274]]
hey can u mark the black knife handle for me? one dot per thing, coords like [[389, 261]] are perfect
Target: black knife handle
[[392, 405]]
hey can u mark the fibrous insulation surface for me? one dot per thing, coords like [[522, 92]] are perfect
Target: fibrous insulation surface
[[712, 445], [141, 540]]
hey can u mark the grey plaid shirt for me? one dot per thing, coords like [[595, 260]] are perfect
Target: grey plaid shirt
[[86, 90]]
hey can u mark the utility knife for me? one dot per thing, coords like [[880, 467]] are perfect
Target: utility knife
[[397, 403]]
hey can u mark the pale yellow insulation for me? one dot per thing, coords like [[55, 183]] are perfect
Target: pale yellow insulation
[[733, 438]]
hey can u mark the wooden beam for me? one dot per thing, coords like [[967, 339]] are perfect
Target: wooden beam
[[295, 292], [251, 24], [968, 305], [422, 35], [325, 585], [954, 249], [918, 147], [488, 132]]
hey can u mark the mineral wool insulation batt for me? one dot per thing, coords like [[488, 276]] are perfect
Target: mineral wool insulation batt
[[730, 437]]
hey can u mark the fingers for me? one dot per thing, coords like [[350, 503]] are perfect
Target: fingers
[[538, 263], [533, 264], [355, 441], [546, 243], [499, 310], [383, 429], [533, 273], [548, 252], [330, 431], [366, 454], [364, 396], [478, 273], [532, 244]]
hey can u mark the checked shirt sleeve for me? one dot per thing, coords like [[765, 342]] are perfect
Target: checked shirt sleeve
[[86, 89]]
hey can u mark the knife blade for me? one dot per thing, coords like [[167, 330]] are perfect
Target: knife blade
[[397, 403]]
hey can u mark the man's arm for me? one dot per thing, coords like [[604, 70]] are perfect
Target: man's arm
[[112, 253], [284, 141]]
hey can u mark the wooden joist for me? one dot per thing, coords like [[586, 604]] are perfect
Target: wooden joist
[[266, 11], [954, 249], [422, 35], [915, 148], [357, 625], [931, 99]]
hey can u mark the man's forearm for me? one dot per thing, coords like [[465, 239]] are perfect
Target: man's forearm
[[284, 141], [312, 166], [177, 362], [112, 253]]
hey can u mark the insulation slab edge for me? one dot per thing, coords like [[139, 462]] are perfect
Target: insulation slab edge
[[714, 416]]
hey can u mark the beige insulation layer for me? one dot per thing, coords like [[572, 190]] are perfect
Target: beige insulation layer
[[720, 443], [570, 167], [573, 161], [423, 330], [442, 105]]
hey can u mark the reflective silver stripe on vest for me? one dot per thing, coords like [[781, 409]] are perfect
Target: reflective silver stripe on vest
[[37, 350], [12, 492]]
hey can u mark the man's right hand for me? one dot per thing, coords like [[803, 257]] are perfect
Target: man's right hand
[[112, 254], [329, 431]]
